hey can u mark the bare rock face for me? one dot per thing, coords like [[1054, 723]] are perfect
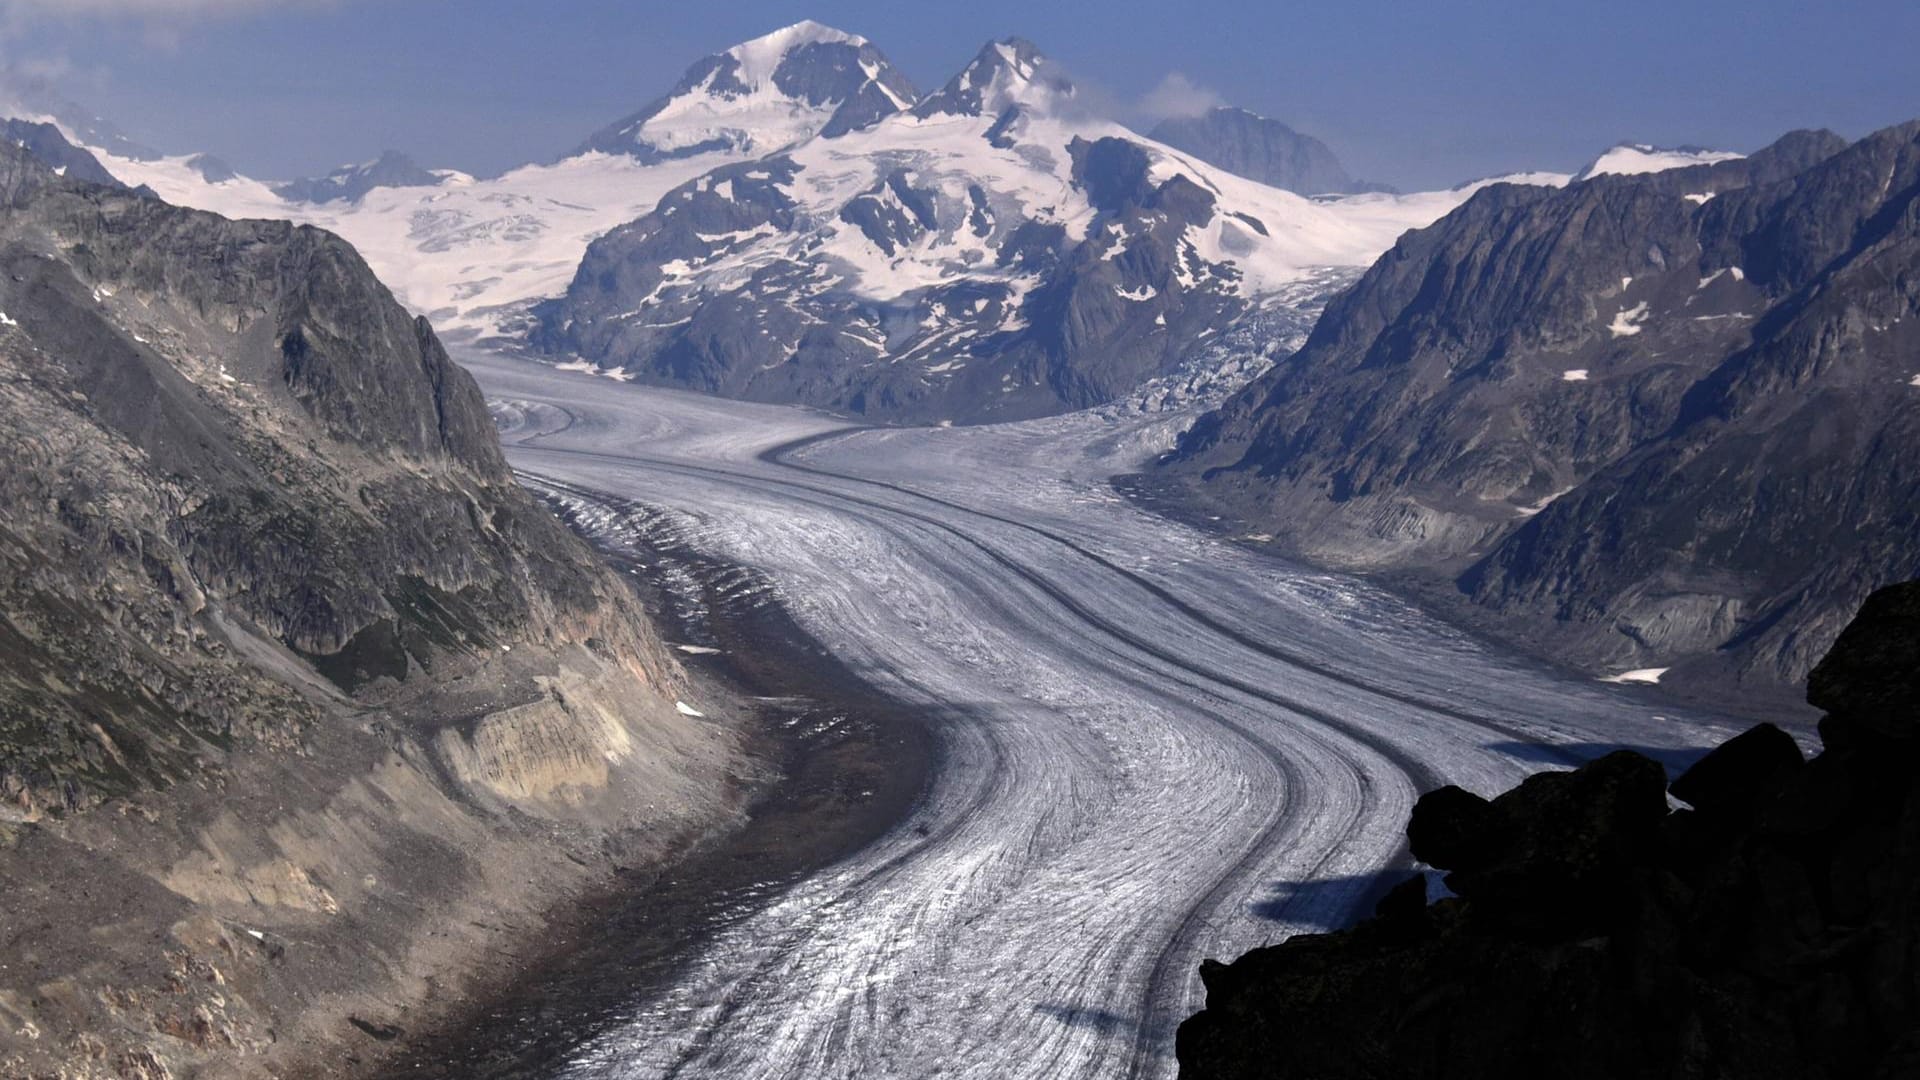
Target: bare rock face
[[284, 650], [1649, 420], [1767, 930]]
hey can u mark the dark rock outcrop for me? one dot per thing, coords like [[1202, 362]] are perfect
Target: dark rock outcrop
[[1643, 421], [1769, 930], [1250, 145]]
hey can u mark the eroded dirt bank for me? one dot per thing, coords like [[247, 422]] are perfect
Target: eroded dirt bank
[[842, 764]]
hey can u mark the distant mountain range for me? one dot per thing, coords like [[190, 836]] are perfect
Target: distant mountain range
[[1668, 416], [1002, 253], [796, 221]]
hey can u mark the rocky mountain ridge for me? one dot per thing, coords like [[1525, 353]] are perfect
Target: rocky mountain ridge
[[1649, 421], [293, 676]]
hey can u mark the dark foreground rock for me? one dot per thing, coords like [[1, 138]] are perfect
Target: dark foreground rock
[[1771, 929]]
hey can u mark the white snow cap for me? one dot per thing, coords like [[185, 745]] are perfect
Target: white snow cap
[[761, 56], [1632, 159]]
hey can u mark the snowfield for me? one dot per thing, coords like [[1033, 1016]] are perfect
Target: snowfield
[[1629, 159], [1156, 746], [466, 254]]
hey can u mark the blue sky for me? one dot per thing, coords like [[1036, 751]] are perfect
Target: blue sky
[[1415, 95]]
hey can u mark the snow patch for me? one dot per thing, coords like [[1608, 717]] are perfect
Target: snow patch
[[1627, 323], [1535, 508], [1525, 179], [686, 709], [1635, 159], [1578, 374], [1639, 676]]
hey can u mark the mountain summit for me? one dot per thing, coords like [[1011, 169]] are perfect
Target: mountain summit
[[1006, 74], [763, 95]]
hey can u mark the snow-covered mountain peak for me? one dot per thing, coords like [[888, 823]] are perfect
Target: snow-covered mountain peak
[[763, 95], [994, 253], [762, 56], [1006, 74], [1631, 159]]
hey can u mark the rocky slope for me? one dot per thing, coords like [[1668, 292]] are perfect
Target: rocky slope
[[1258, 148], [1766, 929], [302, 699], [1644, 421], [992, 253]]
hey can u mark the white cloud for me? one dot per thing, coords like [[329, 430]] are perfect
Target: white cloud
[[1178, 96]]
